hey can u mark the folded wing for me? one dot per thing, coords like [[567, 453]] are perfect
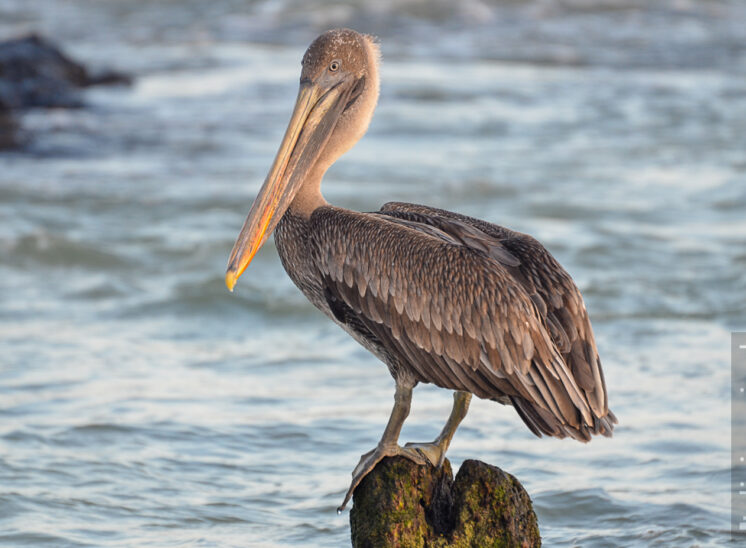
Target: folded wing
[[459, 306]]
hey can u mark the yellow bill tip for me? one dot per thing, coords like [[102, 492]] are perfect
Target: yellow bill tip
[[230, 280]]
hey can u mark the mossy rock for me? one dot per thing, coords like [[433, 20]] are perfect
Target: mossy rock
[[405, 505]]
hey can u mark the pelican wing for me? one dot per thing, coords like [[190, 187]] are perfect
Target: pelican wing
[[550, 287], [442, 303]]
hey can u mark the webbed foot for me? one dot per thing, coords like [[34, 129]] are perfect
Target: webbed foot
[[434, 452], [369, 460]]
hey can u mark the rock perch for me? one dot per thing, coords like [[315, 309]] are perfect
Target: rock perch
[[405, 505]]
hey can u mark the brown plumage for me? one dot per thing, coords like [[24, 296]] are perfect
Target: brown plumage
[[439, 297], [468, 306]]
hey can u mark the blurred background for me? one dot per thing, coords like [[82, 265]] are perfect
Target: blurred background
[[141, 404]]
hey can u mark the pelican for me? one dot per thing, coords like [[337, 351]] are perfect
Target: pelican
[[437, 296]]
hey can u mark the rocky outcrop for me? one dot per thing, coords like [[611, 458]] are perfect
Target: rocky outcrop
[[405, 505], [36, 73]]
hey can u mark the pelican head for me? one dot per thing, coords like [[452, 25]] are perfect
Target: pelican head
[[337, 96]]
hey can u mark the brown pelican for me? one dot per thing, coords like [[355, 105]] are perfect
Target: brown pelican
[[438, 297]]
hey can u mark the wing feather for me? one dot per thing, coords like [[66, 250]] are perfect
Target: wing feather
[[553, 292], [448, 309]]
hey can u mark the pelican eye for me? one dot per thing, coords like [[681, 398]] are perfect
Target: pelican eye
[[334, 65]]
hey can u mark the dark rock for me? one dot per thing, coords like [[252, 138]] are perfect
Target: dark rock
[[402, 504], [36, 73], [9, 134]]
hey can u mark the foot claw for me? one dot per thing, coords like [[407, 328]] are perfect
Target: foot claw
[[369, 460]]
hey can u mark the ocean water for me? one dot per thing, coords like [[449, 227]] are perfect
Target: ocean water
[[141, 404]]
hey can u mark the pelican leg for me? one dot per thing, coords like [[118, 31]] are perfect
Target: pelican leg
[[388, 446], [436, 450]]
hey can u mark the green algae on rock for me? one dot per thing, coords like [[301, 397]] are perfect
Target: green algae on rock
[[405, 505]]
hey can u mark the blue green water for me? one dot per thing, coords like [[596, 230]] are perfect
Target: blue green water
[[141, 404]]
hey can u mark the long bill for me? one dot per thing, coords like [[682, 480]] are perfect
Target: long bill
[[314, 117]]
